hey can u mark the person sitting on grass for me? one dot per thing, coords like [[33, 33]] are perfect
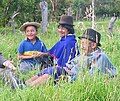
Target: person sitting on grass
[[92, 58], [5, 64], [63, 51], [7, 70], [31, 48]]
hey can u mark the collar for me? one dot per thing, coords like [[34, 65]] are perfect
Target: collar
[[67, 36], [96, 53], [35, 38]]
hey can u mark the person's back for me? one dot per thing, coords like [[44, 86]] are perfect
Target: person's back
[[102, 63]]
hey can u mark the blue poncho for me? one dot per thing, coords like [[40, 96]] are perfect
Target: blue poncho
[[65, 49]]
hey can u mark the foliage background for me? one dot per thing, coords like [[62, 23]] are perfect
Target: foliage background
[[86, 88], [29, 10]]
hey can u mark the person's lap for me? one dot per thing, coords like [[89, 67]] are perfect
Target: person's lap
[[26, 66]]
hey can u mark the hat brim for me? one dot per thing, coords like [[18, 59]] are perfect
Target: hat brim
[[22, 28], [80, 37], [64, 23]]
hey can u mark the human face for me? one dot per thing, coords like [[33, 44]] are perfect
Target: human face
[[62, 31], [87, 46], [31, 32]]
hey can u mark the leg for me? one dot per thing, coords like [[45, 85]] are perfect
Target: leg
[[38, 80], [41, 78], [25, 66], [29, 81]]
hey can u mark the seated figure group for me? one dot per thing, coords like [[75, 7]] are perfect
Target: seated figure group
[[65, 57]]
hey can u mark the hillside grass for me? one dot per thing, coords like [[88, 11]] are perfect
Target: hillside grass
[[85, 88]]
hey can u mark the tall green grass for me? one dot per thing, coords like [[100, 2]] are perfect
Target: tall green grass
[[86, 88]]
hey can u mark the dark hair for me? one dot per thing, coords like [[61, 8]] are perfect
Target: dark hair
[[68, 27]]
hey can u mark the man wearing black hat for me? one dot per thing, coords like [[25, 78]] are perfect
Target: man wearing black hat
[[92, 56]]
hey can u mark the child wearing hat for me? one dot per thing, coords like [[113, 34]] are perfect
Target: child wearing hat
[[31, 48], [63, 51], [92, 57]]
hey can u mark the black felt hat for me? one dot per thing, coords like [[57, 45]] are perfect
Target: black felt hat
[[91, 35]]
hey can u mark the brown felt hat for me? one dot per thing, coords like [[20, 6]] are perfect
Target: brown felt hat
[[65, 19], [23, 27]]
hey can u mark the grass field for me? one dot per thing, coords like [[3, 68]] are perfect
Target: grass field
[[85, 88]]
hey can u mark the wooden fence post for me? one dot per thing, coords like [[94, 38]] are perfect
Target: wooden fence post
[[111, 25], [44, 11]]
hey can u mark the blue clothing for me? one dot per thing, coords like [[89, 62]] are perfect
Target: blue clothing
[[2, 60], [63, 51], [49, 70], [26, 66], [53, 71], [103, 64], [26, 47], [95, 61]]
